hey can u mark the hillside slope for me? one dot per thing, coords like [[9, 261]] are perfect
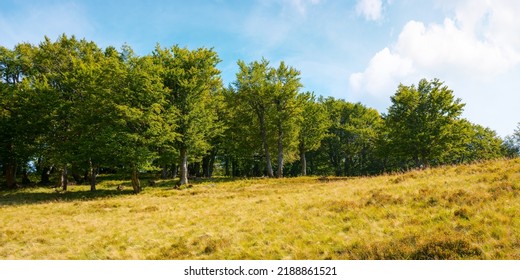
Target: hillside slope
[[456, 212]]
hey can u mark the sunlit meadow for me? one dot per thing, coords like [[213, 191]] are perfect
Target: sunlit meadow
[[453, 212]]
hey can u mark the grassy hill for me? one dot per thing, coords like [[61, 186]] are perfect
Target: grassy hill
[[456, 212]]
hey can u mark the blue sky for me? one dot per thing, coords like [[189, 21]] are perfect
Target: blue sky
[[356, 50]]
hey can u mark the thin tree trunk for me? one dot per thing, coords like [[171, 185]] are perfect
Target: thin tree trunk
[[86, 176], [263, 132], [233, 168], [174, 171], [280, 152], [211, 165], [164, 172], [93, 180], [205, 165], [417, 161], [226, 167], [303, 160], [311, 163], [208, 162], [195, 170], [25, 177], [10, 175], [64, 178], [45, 176], [184, 166], [136, 184], [346, 168], [93, 175], [77, 178]]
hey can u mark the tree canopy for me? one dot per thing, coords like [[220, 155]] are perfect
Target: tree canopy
[[71, 109]]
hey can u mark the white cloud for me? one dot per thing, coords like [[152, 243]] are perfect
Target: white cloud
[[438, 47], [370, 9], [480, 42], [475, 50], [384, 70], [301, 5]]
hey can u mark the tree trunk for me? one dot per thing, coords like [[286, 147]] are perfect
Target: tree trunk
[[208, 162], [417, 161], [337, 165], [303, 160], [93, 180], [205, 165], [174, 171], [269, 167], [184, 166], [136, 184], [25, 177], [45, 176], [10, 175], [233, 168], [194, 169], [164, 172], [93, 175], [280, 152], [226, 167], [346, 168], [64, 178], [86, 176], [77, 178], [263, 132], [211, 166]]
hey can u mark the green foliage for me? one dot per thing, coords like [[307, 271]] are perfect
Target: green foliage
[[194, 91], [140, 119], [511, 144], [314, 122], [268, 98], [421, 123], [352, 137], [19, 117], [67, 105], [314, 125], [483, 144]]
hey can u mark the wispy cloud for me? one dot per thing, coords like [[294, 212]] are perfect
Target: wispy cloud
[[301, 6], [370, 9]]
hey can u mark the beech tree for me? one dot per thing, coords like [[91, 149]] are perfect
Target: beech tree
[[20, 125], [314, 127], [56, 79], [352, 136], [140, 115], [252, 90], [268, 98], [193, 84], [287, 111], [422, 122], [242, 146]]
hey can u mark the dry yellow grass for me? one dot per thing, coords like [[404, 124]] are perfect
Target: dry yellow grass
[[458, 212]]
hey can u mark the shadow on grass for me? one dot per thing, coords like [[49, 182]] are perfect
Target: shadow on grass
[[27, 194], [21, 197]]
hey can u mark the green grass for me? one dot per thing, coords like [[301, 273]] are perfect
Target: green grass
[[456, 212]]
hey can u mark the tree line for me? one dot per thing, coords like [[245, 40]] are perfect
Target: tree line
[[71, 108]]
